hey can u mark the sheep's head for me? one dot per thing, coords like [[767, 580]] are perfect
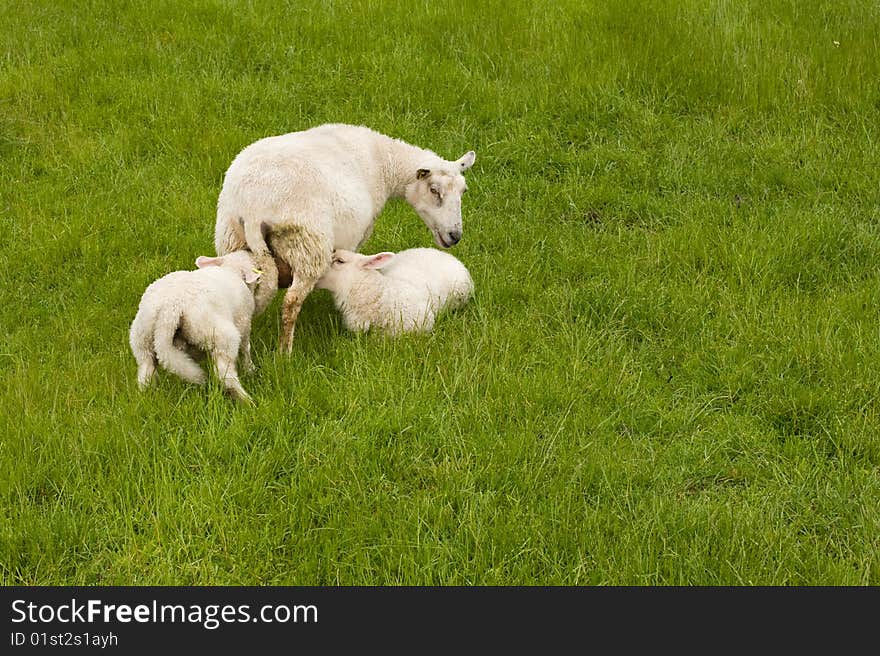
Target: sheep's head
[[435, 195], [348, 267], [239, 262]]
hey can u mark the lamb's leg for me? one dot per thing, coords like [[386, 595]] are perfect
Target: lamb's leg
[[226, 346], [146, 361], [146, 369], [225, 367], [244, 350], [141, 340]]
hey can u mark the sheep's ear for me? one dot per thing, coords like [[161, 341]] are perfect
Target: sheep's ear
[[467, 160], [377, 261], [202, 261], [422, 173], [252, 275]]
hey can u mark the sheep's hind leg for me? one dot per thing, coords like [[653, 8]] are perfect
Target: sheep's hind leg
[[308, 255], [293, 301]]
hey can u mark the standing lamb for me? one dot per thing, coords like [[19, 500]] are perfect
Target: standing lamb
[[321, 189], [396, 293], [209, 310]]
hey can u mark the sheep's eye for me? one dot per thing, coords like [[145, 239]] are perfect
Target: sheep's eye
[[337, 260], [435, 191]]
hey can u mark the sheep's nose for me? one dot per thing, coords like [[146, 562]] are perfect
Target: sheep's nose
[[453, 237]]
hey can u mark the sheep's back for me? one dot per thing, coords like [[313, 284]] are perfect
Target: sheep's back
[[324, 178]]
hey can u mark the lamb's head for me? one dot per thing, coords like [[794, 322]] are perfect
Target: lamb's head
[[239, 262], [348, 269], [435, 195]]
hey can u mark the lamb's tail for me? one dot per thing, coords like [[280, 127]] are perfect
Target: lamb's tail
[[171, 357]]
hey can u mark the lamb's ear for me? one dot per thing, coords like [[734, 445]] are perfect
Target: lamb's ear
[[467, 160], [252, 275], [422, 173], [377, 261], [202, 261]]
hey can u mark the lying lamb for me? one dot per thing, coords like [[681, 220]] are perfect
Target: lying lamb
[[209, 309], [396, 293]]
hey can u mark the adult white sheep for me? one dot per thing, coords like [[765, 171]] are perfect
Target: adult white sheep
[[396, 293], [321, 189], [207, 310]]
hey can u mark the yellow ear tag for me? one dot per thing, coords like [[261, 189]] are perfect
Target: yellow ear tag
[[258, 271]]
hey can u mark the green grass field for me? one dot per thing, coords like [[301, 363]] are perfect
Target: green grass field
[[669, 374]]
